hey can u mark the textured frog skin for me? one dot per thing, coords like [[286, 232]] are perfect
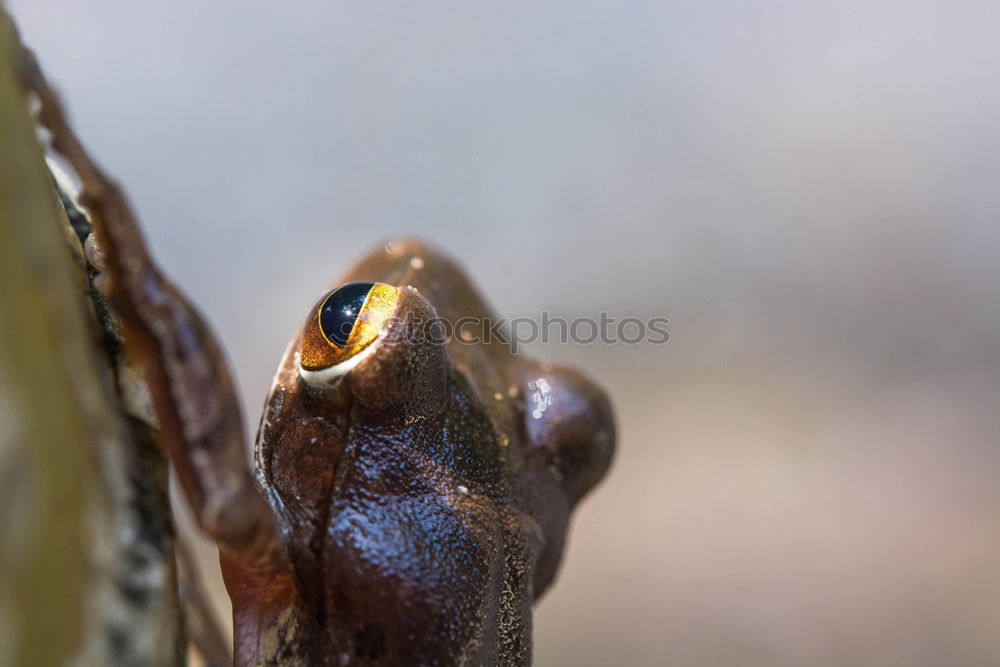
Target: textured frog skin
[[423, 499]]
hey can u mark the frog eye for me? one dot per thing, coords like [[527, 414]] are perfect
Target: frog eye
[[342, 329]]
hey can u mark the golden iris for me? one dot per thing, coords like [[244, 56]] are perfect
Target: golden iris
[[345, 322]]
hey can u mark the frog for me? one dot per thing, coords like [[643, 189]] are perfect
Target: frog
[[411, 487]]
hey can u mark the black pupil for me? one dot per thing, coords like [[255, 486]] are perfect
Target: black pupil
[[340, 310]]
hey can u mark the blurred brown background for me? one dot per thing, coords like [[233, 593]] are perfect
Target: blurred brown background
[[809, 472]]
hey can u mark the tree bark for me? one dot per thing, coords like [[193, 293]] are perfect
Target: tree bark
[[87, 569]]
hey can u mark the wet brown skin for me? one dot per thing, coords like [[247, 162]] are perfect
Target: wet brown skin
[[423, 498]]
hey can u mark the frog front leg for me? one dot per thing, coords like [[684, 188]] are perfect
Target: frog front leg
[[191, 388]]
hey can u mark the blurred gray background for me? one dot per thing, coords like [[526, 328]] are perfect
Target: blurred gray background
[[809, 472]]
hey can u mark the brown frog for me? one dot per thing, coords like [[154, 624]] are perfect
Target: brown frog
[[412, 489]]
